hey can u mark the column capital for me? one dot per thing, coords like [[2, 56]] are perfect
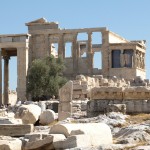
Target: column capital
[[122, 51], [74, 37], [75, 34], [89, 32], [6, 57]]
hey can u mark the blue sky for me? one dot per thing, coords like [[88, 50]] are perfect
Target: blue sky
[[128, 18]]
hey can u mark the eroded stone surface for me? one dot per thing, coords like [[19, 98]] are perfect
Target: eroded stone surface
[[96, 131], [47, 117], [65, 105], [9, 143], [39, 144], [6, 120], [15, 130], [28, 113]]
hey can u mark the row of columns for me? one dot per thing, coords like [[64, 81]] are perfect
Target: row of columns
[[138, 59], [125, 59], [22, 65], [75, 52]]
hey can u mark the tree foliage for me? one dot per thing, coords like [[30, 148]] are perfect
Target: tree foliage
[[45, 77]]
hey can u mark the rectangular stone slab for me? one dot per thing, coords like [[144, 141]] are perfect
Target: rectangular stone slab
[[15, 130]]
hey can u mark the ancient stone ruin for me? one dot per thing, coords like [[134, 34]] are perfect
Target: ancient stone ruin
[[91, 112], [100, 93], [120, 57]]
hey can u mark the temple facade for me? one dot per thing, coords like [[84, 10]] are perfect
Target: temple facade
[[120, 57]]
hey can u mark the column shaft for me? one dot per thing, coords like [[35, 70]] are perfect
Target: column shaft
[[90, 54], [50, 45], [47, 46], [1, 100], [74, 54], [61, 46], [22, 68], [134, 59], [122, 63], [6, 79]]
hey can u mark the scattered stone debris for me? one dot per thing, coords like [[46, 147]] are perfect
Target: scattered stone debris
[[110, 131], [79, 123], [91, 110]]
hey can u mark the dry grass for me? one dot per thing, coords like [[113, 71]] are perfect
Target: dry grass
[[53, 123], [133, 147], [138, 118]]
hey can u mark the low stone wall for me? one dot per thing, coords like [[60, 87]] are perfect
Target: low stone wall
[[96, 107], [120, 93], [130, 96]]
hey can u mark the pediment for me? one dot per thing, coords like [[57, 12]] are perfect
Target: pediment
[[37, 21]]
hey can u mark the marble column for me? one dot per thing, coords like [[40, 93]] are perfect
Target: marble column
[[6, 79], [22, 68], [74, 54], [134, 62], [122, 62], [110, 58], [90, 54], [1, 100], [61, 46], [47, 45], [143, 61], [50, 45]]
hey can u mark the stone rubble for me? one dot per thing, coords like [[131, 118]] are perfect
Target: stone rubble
[[81, 101], [84, 133], [37, 143], [48, 116], [76, 121], [6, 120], [9, 143], [15, 130], [28, 113]]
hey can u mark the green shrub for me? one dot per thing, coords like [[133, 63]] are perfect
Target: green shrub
[[45, 78]]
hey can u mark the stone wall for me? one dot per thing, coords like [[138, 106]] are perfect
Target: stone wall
[[96, 107], [82, 87], [99, 93], [44, 34], [47, 38]]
